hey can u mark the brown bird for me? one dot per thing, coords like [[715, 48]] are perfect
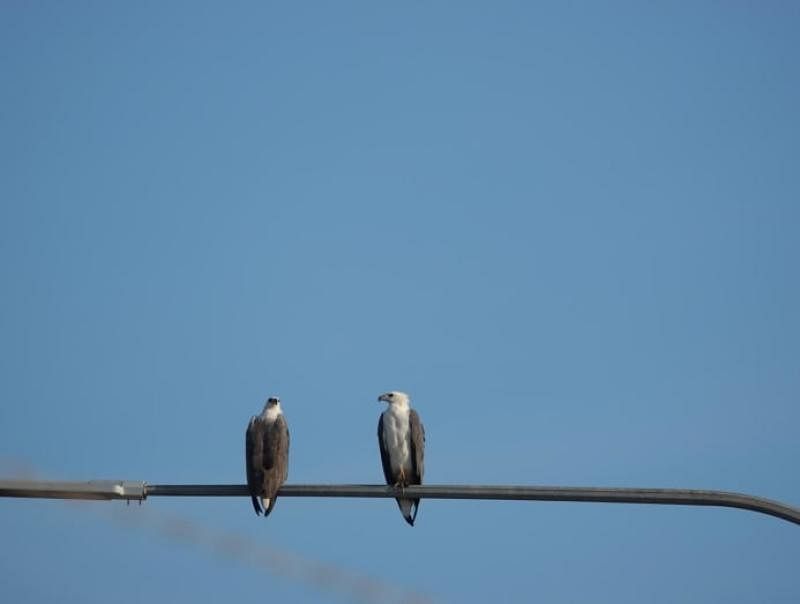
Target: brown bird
[[266, 455]]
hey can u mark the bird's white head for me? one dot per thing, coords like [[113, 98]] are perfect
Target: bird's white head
[[399, 399], [272, 407]]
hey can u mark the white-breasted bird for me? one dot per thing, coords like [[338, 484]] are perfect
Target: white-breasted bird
[[401, 437]]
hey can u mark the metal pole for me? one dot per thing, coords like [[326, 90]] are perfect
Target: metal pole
[[507, 493], [133, 490], [94, 489]]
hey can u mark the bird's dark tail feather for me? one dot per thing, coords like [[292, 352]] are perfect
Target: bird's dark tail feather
[[408, 508], [257, 506], [416, 509]]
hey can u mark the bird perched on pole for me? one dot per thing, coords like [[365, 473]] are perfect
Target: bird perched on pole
[[401, 438], [266, 455]]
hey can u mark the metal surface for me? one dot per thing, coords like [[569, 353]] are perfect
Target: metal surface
[[514, 493], [103, 490], [133, 490]]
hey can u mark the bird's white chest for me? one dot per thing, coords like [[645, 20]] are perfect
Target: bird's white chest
[[397, 438], [271, 413]]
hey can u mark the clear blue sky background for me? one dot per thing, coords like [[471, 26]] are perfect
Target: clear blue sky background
[[569, 231]]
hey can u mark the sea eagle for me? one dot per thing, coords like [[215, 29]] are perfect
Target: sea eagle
[[401, 438], [266, 455]]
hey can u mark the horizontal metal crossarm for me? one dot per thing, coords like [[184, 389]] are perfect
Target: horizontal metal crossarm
[[133, 490], [93, 490]]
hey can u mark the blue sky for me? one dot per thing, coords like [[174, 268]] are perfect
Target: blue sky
[[569, 231]]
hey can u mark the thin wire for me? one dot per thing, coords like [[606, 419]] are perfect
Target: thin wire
[[326, 577]]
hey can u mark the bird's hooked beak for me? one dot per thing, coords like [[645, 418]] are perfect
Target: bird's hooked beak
[[384, 398]]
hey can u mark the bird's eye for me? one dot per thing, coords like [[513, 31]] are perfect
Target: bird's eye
[[391, 395]]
